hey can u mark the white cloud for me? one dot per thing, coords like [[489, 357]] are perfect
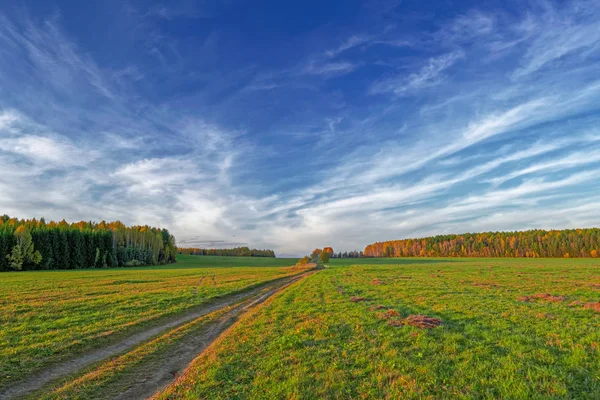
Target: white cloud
[[329, 68], [352, 42], [155, 175], [7, 119], [570, 161], [467, 27], [46, 149], [429, 75], [569, 31], [497, 123]]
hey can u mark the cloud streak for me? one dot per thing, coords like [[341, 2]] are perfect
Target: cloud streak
[[428, 75]]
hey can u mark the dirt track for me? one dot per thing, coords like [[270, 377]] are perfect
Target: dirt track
[[153, 379]]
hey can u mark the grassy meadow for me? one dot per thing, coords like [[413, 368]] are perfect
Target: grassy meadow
[[508, 328], [47, 316]]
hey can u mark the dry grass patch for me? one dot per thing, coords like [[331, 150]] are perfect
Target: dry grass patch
[[485, 285], [418, 321], [379, 307], [388, 314], [542, 296], [544, 316]]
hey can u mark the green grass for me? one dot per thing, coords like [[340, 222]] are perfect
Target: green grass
[[218, 262], [389, 261], [48, 316], [312, 341]]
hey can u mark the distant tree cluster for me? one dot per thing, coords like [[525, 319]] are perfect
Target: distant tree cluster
[[534, 243], [349, 254], [37, 244], [235, 252], [318, 256]]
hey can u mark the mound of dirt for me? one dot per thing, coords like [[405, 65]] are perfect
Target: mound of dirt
[[542, 296], [423, 321], [388, 314], [357, 299], [419, 321], [377, 281], [593, 306]]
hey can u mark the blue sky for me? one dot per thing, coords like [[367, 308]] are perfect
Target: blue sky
[[292, 126]]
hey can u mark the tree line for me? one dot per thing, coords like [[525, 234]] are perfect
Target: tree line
[[348, 254], [534, 243], [36, 244], [235, 252]]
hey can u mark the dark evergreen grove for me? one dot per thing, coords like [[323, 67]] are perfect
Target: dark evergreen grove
[[36, 244], [534, 243], [235, 252], [348, 254]]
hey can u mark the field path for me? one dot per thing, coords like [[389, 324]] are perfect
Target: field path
[[182, 355], [156, 378]]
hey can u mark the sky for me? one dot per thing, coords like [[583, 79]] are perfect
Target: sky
[[295, 125]]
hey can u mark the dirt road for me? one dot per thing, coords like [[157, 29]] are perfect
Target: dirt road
[[156, 377]]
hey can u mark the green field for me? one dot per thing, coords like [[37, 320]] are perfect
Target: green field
[[510, 328], [49, 316]]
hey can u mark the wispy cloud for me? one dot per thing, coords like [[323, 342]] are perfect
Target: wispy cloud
[[329, 68], [45, 149], [428, 75], [350, 43], [559, 32], [572, 160], [7, 118], [467, 27], [497, 123]]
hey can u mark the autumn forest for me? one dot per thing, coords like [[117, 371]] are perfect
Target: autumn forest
[[576, 243]]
